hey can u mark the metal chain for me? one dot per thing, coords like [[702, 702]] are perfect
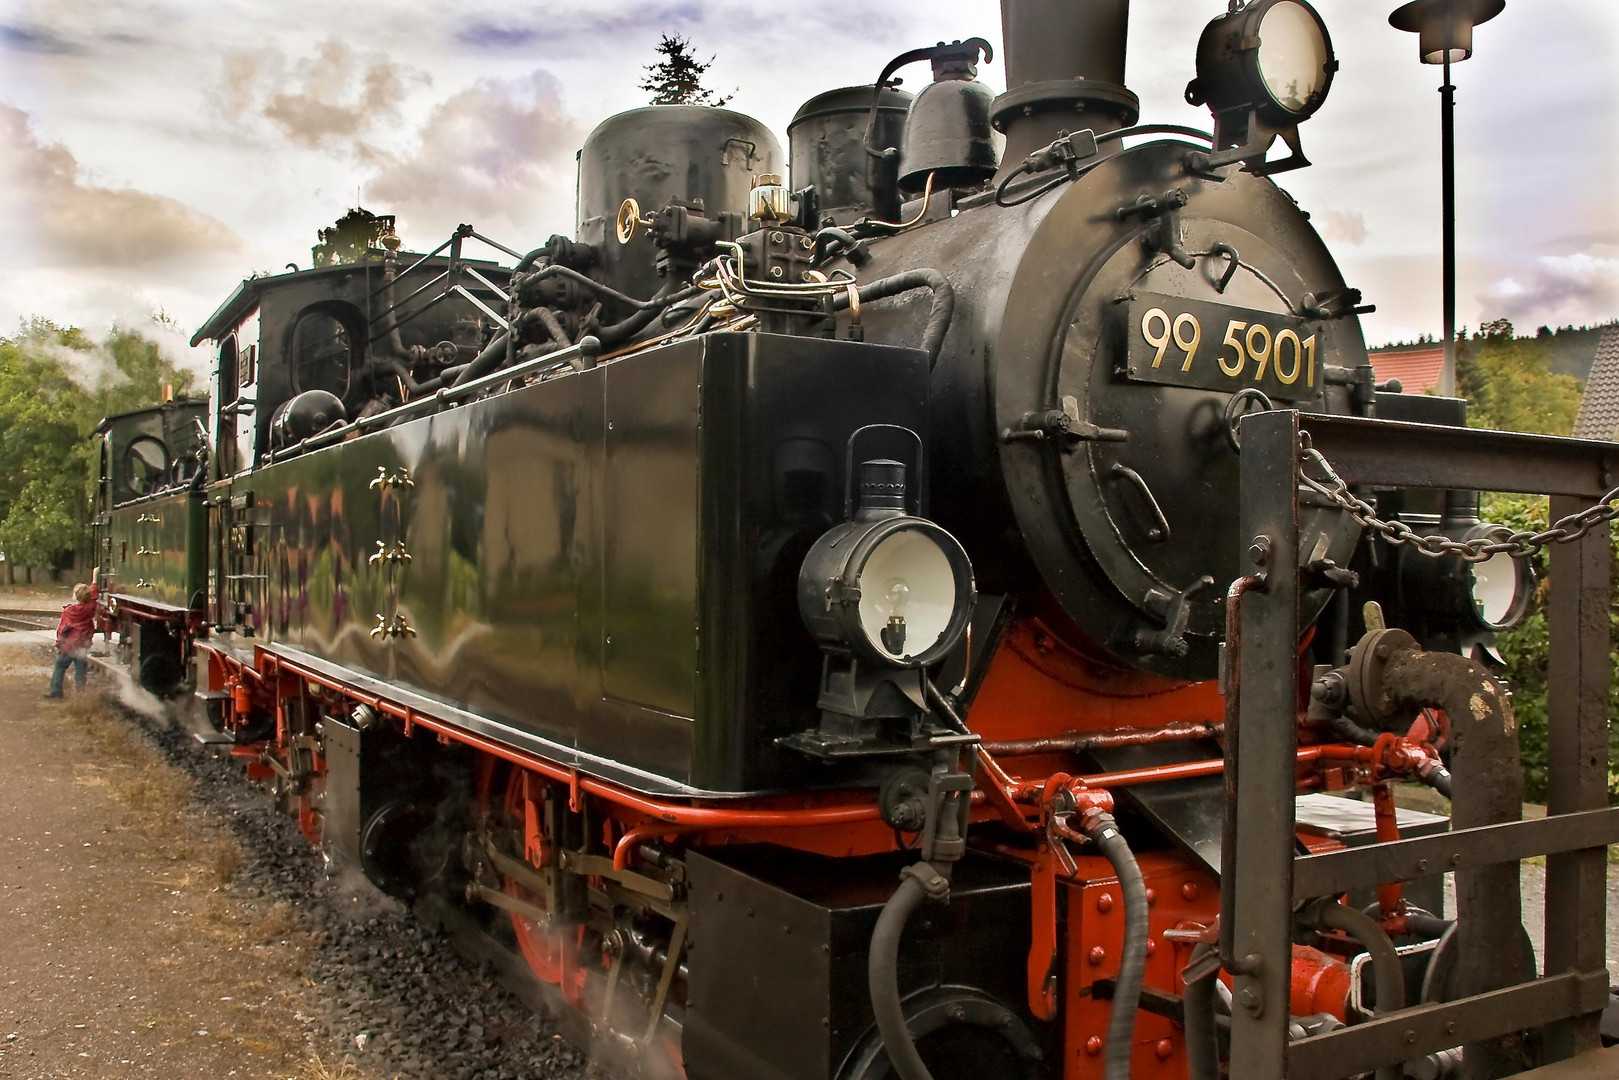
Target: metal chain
[[1520, 545]]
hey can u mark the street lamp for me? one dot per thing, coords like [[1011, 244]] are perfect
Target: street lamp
[[1444, 30]]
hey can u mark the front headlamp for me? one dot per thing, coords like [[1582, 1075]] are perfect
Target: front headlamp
[[1272, 57], [890, 588], [1501, 587]]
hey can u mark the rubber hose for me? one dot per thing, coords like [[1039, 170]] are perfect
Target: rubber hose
[[944, 302], [621, 331], [1438, 778], [1202, 1047], [485, 362], [1387, 973], [882, 971], [1121, 1029]]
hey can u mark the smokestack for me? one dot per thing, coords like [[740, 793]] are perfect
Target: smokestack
[[1064, 70]]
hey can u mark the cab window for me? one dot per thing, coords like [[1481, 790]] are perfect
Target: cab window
[[322, 350]]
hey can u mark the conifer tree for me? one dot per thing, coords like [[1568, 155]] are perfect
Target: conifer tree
[[677, 79]]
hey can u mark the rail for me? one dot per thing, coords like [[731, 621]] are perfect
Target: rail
[[1263, 876], [587, 348]]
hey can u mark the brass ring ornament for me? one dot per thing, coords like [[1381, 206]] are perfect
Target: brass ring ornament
[[629, 221]]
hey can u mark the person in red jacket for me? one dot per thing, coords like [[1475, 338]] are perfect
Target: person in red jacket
[[73, 636]]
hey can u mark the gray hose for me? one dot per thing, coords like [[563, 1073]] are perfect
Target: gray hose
[[944, 302], [1104, 832], [1389, 976], [1202, 1046], [882, 972]]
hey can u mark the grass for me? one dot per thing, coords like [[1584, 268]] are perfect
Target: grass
[[316, 1068]]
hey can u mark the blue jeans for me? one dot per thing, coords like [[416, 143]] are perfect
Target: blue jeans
[[80, 667]]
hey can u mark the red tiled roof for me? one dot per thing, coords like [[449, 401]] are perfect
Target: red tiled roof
[[1417, 369]]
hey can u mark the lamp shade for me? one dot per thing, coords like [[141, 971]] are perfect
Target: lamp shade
[[1444, 28]]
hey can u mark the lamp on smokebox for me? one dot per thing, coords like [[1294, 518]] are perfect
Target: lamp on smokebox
[[885, 594], [1444, 30], [1262, 69]]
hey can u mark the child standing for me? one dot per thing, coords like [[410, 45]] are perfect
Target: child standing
[[73, 636]]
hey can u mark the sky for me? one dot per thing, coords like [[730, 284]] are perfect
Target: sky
[[155, 152]]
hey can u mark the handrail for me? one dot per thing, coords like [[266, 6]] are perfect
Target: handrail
[[586, 347]]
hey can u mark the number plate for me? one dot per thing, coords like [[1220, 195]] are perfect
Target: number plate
[[1183, 342]]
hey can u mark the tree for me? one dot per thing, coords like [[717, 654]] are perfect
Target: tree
[[56, 385], [353, 237], [1509, 384], [677, 79]]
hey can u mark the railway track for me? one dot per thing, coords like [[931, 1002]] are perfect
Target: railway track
[[27, 620]]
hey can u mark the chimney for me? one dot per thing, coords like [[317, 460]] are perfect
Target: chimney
[[1064, 71]]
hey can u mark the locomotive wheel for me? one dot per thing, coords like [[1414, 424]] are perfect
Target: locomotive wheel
[[552, 956]]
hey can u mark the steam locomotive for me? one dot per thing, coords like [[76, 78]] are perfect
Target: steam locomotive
[[795, 612]]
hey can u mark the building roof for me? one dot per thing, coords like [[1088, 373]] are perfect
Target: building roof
[[1417, 367], [1599, 408]]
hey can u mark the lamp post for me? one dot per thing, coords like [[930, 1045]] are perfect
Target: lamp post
[[1444, 30]]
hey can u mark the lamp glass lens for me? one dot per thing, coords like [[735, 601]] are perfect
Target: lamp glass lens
[[1495, 587], [1292, 56], [908, 576]]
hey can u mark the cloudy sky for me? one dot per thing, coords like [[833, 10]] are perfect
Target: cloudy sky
[[154, 152]]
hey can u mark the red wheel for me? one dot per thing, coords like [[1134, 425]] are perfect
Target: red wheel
[[552, 956]]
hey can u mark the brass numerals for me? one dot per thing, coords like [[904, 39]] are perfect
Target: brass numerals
[[153, 518]]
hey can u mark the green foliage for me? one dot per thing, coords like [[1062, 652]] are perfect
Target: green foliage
[[1509, 385], [354, 236], [677, 79], [56, 385]]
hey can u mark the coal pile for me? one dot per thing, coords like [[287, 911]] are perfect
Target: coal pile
[[397, 996]]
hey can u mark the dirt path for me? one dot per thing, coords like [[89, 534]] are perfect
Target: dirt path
[[123, 952]]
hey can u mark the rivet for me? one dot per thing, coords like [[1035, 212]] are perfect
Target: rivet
[[1381, 652], [1104, 903], [1164, 1049], [718, 896], [1450, 1027], [1410, 1035], [1097, 955], [1093, 1045], [1422, 864], [1152, 897], [1152, 946], [1189, 890]]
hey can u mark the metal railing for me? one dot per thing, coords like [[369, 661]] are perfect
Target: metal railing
[[1263, 878]]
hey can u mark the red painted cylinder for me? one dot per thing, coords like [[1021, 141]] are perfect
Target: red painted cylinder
[[1320, 983]]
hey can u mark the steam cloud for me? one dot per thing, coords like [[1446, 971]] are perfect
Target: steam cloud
[[74, 224], [499, 152], [338, 95], [1341, 226]]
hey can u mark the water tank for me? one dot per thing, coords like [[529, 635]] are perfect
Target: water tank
[[663, 154], [827, 140]]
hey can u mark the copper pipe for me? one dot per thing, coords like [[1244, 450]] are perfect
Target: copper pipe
[[1076, 741]]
